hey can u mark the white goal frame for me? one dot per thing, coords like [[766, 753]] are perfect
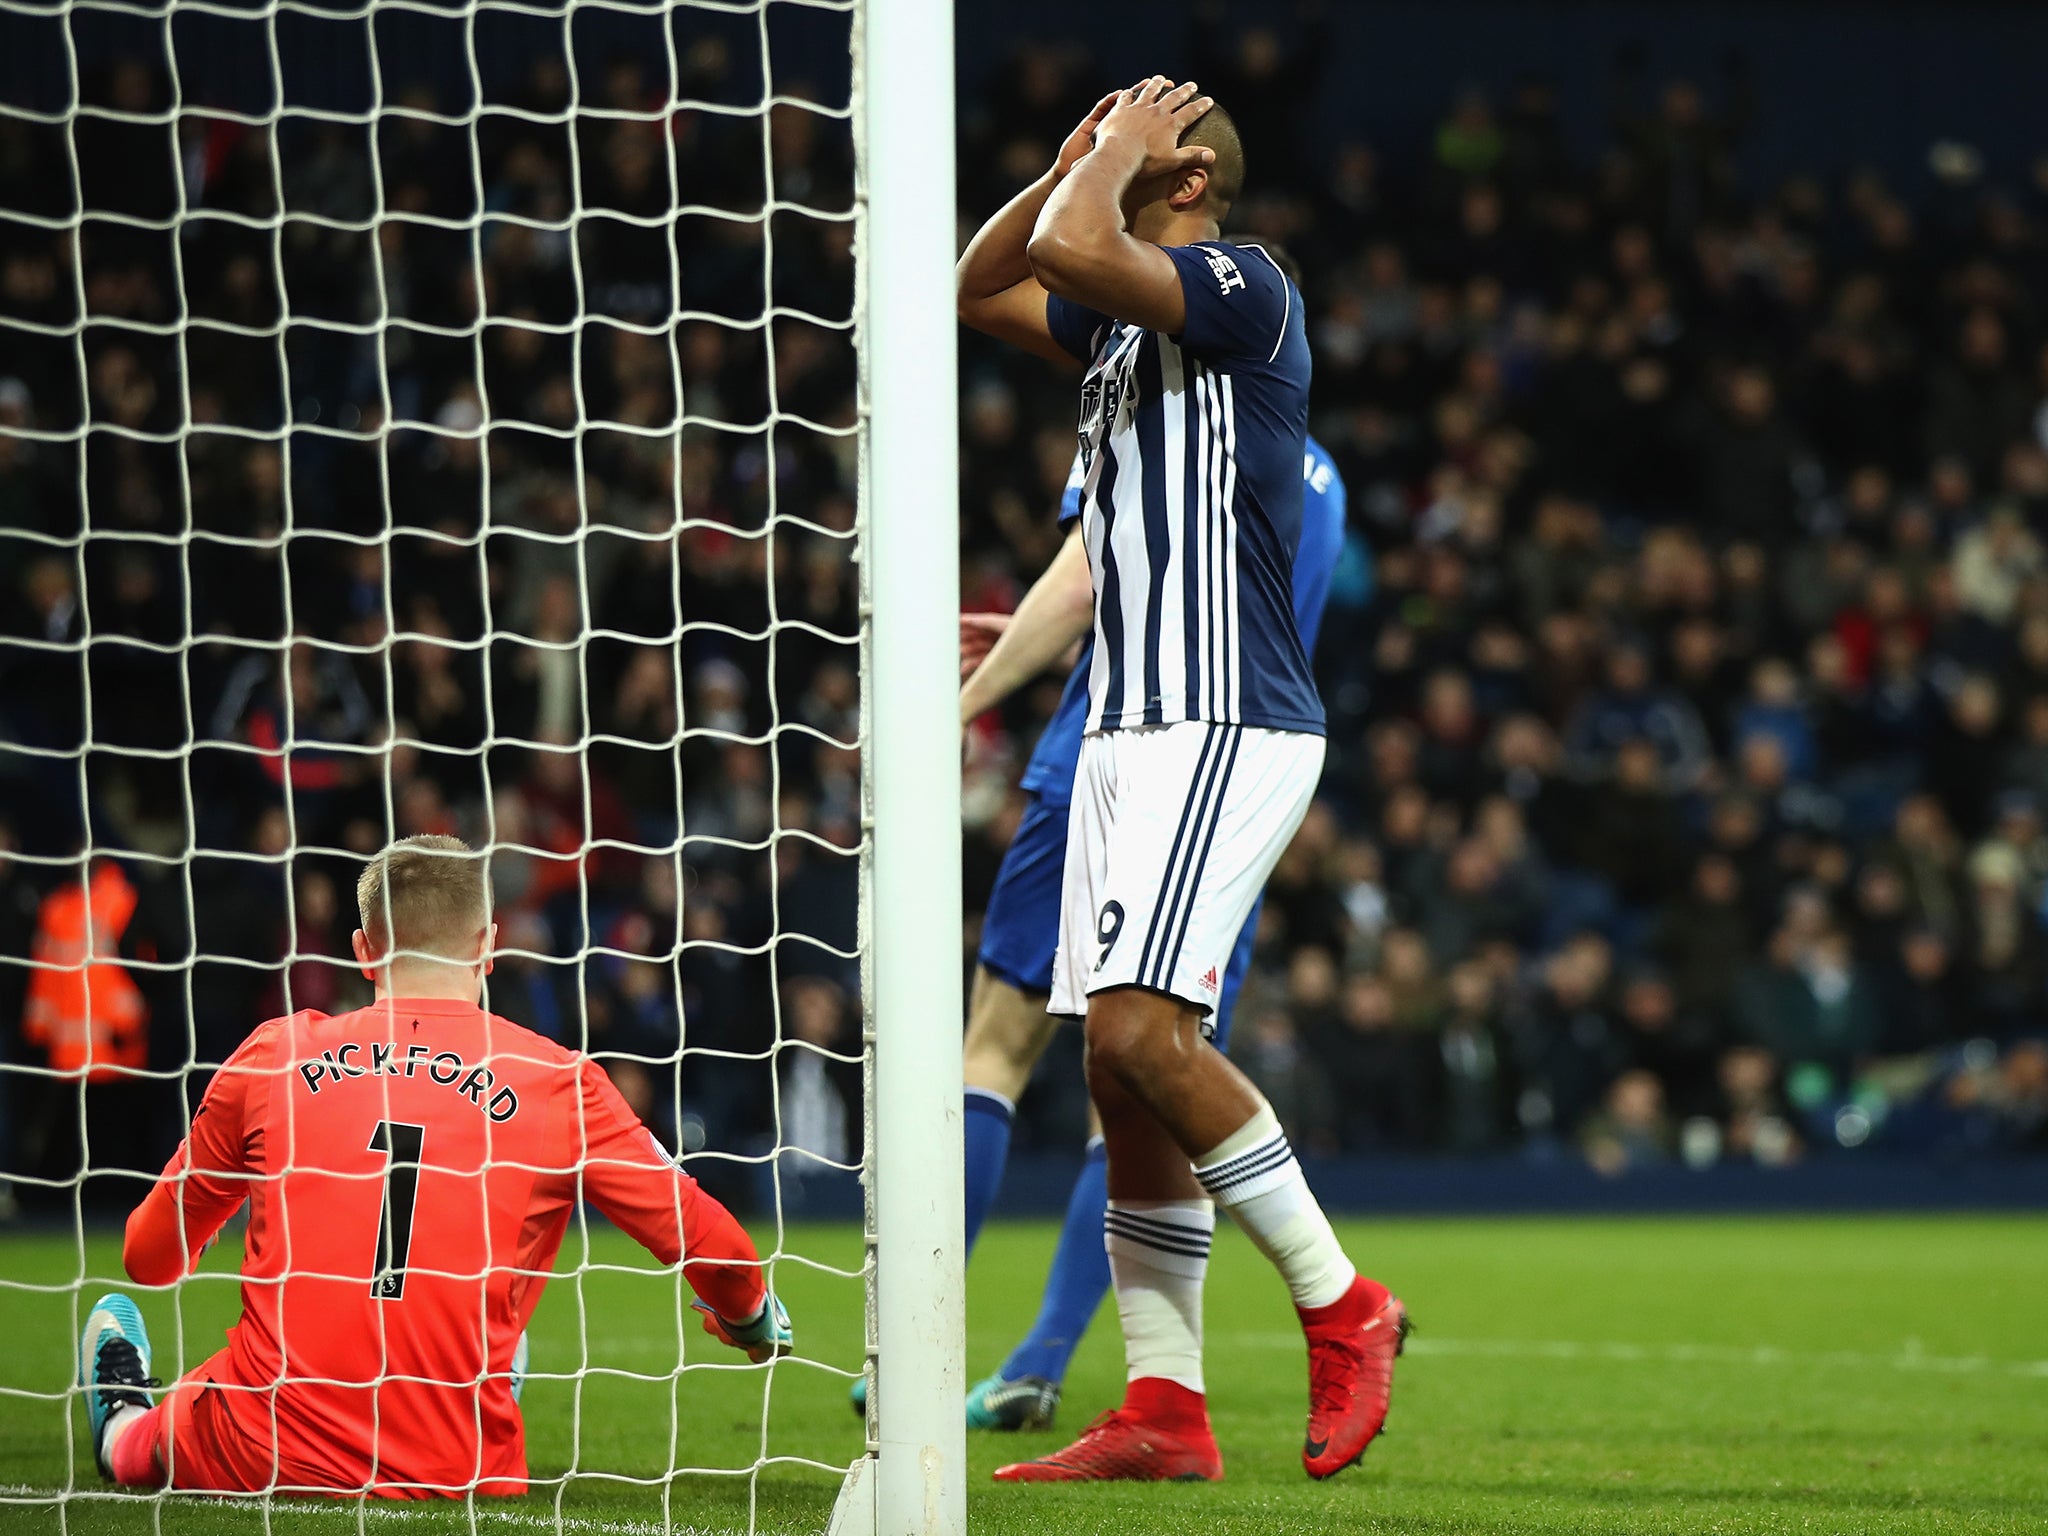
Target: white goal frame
[[912, 1477], [910, 889]]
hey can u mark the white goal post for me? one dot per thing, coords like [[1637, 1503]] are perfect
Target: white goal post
[[910, 571], [203, 363]]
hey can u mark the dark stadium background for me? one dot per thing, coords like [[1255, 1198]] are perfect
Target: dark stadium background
[[1683, 839]]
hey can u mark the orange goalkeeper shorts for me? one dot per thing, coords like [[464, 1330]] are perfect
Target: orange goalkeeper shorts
[[203, 1448]]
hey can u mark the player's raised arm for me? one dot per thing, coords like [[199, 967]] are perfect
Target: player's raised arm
[[1147, 157], [1055, 613], [994, 288]]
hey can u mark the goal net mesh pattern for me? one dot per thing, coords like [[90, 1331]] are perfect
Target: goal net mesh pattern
[[438, 417]]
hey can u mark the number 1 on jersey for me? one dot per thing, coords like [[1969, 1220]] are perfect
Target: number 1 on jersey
[[401, 1143]]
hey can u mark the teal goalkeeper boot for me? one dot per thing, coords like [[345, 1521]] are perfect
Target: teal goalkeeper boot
[[522, 1361], [113, 1367], [1029, 1402], [996, 1404]]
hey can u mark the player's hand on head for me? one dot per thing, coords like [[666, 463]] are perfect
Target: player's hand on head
[[978, 635], [1082, 139], [1153, 114], [761, 1338]]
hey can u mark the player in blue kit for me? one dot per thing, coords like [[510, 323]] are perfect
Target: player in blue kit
[[1202, 746], [1008, 1028]]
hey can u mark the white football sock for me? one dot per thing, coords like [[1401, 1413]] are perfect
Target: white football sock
[[1158, 1254], [118, 1423], [1254, 1176]]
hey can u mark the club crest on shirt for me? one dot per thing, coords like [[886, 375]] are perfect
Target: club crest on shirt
[[1091, 416]]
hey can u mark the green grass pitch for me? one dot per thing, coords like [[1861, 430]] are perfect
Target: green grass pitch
[[1819, 1374]]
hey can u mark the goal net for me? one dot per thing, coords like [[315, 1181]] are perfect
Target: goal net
[[448, 416]]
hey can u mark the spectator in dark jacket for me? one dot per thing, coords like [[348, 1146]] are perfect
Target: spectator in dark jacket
[[1632, 707]]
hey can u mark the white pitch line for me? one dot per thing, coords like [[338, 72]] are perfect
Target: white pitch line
[[516, 1520], [1908, 1359], [446, 1515], [1606, 1351]]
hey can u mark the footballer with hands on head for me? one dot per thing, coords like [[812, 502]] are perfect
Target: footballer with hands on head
[[1202, 747], [410, 1170]]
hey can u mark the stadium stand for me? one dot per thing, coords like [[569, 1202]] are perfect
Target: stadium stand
[[1688, 668]]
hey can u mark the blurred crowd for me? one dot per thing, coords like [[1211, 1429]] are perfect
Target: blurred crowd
[[1687, 667], [558, 558]]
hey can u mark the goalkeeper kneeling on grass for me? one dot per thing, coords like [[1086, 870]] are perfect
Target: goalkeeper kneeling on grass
[[410, 1169]]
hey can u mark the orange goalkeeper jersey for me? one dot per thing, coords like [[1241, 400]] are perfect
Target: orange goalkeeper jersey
[[410, 1169]]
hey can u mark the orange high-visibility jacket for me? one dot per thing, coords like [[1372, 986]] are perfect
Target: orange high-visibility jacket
[[83, 1007]]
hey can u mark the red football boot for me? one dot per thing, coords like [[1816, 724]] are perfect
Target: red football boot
[[1352, 1344], [1160, 1435]]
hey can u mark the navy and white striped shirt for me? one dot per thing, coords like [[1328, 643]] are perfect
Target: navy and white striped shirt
[[1191, 501]]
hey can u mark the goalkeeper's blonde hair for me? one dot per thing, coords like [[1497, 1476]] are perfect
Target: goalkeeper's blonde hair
[[429, 893]]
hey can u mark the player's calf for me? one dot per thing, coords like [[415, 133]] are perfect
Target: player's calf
[[1354, 1326], [1250, 1170], [1253, 1174], [113, 1372]]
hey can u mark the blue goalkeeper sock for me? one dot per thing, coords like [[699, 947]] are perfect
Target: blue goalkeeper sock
[[1077, 1282], [988, 1148]]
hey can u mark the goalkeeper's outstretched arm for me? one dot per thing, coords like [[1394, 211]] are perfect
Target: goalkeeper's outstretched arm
[[628, 1177], [1054, 614]]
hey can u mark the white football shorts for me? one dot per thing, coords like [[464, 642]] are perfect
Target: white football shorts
[[1173, 832]]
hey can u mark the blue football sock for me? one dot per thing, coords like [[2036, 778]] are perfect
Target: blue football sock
[[1077, 1282], [988, 1149]]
